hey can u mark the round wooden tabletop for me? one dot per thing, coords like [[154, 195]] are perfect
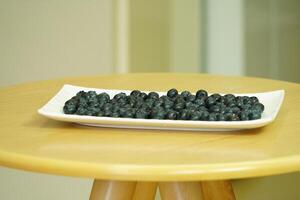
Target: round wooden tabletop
[[32, 142]]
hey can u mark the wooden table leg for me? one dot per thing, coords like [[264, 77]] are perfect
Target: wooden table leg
[[112, 190], [180, 191], [208, 190], [217, 190], [145, 191]]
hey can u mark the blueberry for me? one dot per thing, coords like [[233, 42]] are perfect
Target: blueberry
[[82, 102], [212, 117], [148, 103], [116, 108], [246, 100], [221, 100], [122, 111], [159, 102], [179, 106], [216, 96], [139, 104], [157, 112], [200, 102], [191, 106], [164, 98], [221, 117], [93, 111], [108, 113], [153, 95], [171, 106], [179, 99], [204, 115], [120, 96], [69, 109], [214, 108], [231, 105], [93, 104], [115, 114], [236, 109], [191, 98], [246, 106], [122, 102], [185, 94], [201, 94], [158, 115], [254, 115], [141, 113], [239, 103], [107, 107], [210, 101], [244, 116], [196, 115], [228, 116], [259, 106], [100, 114], [254, 100], [103, 96], [81, 94], [73, 101], [81, 110], [235, 117], [135, 93], [168, 104], [91, 95], [172, 93], [172, 115], [229, 98], [184, 115], [143, 95], [129, 113], [202, 108], [231, 117]]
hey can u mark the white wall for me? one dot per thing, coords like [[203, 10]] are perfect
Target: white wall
[[224, 42], [21, 185]]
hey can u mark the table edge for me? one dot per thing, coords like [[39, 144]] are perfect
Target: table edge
[[184, 172]]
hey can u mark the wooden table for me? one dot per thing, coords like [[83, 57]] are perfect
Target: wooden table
[[130, 164]]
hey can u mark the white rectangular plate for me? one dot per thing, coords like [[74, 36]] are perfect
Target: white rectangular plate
[[54, 110]]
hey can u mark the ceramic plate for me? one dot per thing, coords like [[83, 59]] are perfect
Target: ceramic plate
[[54, 110]]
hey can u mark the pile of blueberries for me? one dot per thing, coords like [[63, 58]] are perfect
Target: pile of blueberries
[[173, 106]]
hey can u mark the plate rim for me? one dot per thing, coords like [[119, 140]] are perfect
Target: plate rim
[[152, 123]]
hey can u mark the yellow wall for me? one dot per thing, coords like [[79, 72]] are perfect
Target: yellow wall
[[149, 35], [185, 36], [272, 30], [164, 36], [279, 187]]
